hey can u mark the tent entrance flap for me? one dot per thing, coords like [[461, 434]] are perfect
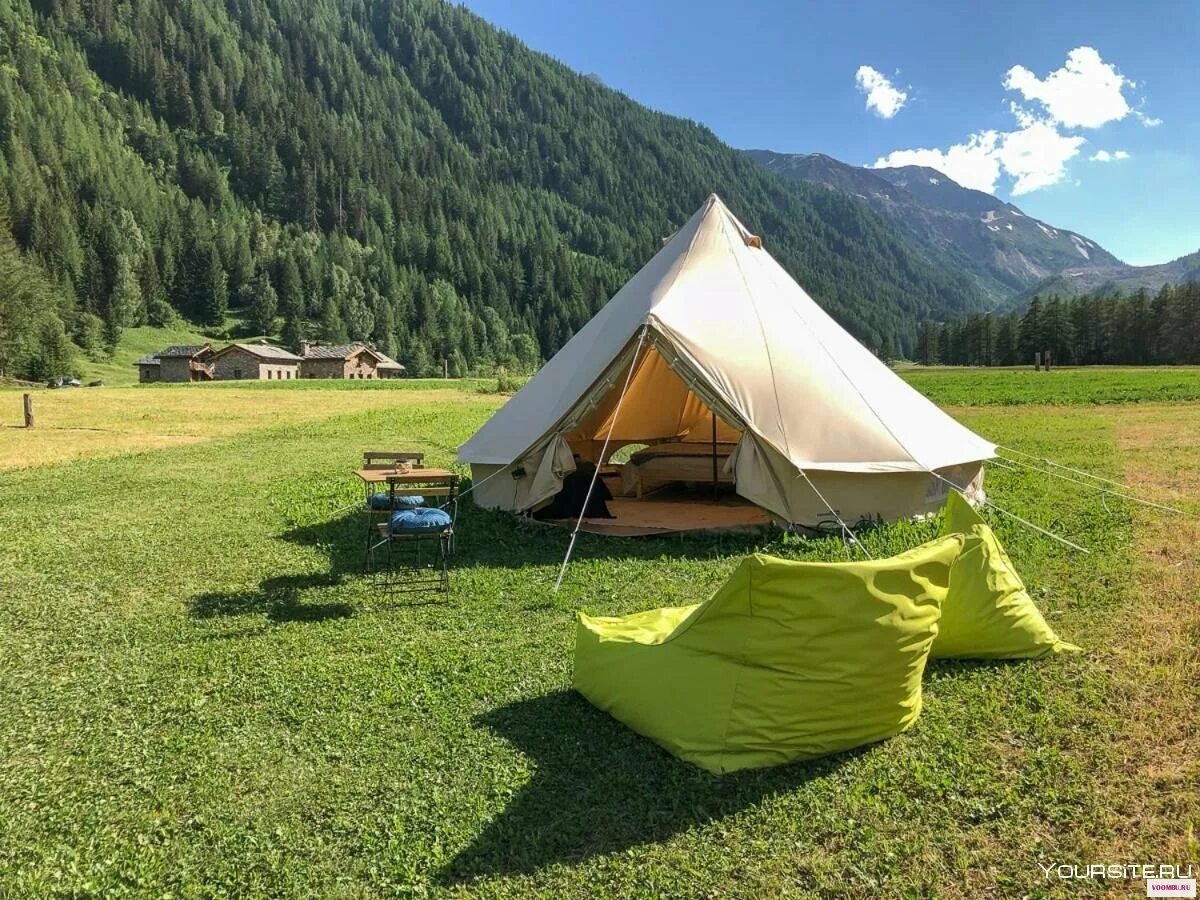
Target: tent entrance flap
[[658, 406]]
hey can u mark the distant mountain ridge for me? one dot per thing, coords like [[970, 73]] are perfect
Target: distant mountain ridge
[[1009, 254], [1122, 279]]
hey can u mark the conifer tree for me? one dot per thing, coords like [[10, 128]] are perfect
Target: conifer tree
[[260, 301]]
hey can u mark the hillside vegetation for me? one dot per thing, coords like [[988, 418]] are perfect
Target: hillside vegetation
[[1099, 329], [401, 173]]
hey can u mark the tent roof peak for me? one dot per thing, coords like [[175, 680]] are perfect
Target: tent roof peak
[[752, 339]]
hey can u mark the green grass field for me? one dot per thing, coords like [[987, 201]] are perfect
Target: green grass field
[[1079, 386], [204, 697]]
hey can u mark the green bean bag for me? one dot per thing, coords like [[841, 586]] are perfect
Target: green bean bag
[[988, 614], [786, 661]]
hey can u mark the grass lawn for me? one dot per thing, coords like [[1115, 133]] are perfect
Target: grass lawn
[[203, 697], [1081, 385]]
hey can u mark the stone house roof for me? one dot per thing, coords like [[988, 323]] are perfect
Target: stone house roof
[[336, 351], [184, 350], [386, 362], [268, 352]]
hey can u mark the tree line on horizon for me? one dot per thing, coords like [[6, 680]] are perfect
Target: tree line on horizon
[[1094, 329]]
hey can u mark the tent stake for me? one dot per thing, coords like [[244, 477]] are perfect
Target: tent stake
[[603, 450], [845, 528]]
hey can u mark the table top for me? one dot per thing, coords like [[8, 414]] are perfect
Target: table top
[[413, 476]]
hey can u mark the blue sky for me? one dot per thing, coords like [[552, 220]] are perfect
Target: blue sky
[[786, 76]]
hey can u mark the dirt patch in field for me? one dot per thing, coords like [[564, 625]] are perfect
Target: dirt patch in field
[[1160, 663]]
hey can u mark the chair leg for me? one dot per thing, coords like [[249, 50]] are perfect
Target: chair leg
[[402, 569], [445, 546]]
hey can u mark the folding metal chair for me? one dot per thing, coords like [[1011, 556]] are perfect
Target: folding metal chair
[[381, 497], [410, 549]]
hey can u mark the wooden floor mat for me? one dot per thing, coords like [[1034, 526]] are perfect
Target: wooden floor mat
[[634, 518]]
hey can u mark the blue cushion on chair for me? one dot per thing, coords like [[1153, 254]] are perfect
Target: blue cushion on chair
[[384, 501], [418, 520]]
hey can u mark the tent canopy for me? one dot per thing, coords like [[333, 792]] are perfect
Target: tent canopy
[[713, 325]]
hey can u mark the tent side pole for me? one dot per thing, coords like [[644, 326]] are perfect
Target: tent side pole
[[603, 450], [716, 494]]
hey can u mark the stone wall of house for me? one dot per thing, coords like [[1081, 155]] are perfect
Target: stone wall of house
[[361, 365], [237, 363], [175, 368], [278, 371], [323, 368], [148, 373]]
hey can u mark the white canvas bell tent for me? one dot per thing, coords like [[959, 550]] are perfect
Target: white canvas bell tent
[[713, 330]]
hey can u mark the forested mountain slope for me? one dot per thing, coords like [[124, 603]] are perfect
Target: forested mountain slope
[[402, 173]]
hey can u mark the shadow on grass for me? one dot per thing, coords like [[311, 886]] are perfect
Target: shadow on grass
[[484, 539], [599, 788], [491, 539], [278, 598], [496, 539]]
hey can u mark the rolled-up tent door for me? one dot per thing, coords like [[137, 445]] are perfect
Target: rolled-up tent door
[[556, 463], [528, 482]]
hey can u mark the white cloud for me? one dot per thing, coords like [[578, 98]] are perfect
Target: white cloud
[[882, 96], [1086, 92], [973, 164], [1036, 155]]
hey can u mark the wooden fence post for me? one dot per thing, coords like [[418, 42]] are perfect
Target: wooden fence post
[[27, 402], [1037, 360]]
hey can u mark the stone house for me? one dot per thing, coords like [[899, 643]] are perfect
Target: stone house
[[261, 362], [355, 360], [388, 367], [191, 362]]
